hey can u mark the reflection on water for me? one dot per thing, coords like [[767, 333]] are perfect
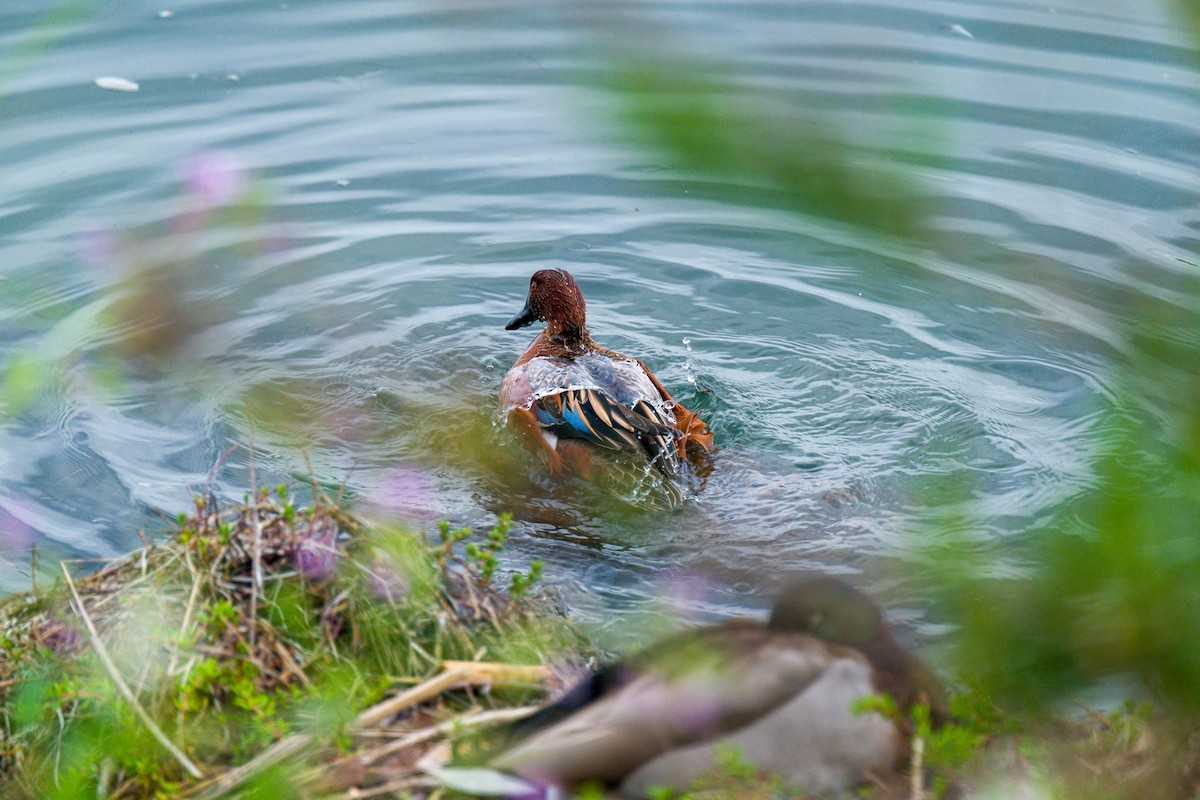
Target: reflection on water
[[416, 162]]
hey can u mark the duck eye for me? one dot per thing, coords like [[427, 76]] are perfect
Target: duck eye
[[532, 285]]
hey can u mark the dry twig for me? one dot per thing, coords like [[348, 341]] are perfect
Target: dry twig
[[492, 672], [407, 699], [917, 769], [292, 745], [123, 688], [238, 776], [497, 716]]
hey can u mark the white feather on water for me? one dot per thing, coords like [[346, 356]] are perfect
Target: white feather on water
[[114, 84]]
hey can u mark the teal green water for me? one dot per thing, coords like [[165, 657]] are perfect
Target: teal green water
[[420, 159]]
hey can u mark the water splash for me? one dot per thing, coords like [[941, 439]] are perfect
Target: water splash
[[688, 370]]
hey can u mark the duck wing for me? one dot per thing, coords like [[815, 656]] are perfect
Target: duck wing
[[713, 684], [597, 418]]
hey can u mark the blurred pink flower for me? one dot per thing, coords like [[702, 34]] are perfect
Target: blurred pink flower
[[215, 176], [316, 557], [686, 594], [388, 583], [405, 493], [15, 535], [98, 248], [60, 636]]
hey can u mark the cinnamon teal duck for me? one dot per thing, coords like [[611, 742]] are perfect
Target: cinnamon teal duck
[[783, 693], [569, 399]]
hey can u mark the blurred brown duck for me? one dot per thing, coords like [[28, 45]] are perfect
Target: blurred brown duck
[[782, 693], [570, 399]]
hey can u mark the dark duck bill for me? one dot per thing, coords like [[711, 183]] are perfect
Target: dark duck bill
[[578, 405]]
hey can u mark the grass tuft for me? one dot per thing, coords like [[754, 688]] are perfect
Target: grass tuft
[[262, 684]]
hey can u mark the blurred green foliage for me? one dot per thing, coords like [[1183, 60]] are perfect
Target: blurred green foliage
[[22, 382], [1111, 594], [44, 34], [705, 123], [1114, 580], [1189, 12], [1114, 586], [734, 778], [1108, 598]]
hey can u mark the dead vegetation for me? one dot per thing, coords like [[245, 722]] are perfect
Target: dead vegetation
[[266, 651], [266, 648]]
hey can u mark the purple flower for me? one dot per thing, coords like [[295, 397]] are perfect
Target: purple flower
[[686, 594], [59, 636], [387, 582], [215, 176], [15, 535], [98, 248], [316, 557], [405, 493]]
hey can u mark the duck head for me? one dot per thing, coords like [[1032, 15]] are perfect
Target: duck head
[[829, 609], [837, 613], [554, 298]]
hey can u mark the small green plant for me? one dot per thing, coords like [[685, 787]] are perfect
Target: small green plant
[[882, 704], [945, 749], [221, 615], [521, 583], [481, 559], [225, 666], [732, 778]]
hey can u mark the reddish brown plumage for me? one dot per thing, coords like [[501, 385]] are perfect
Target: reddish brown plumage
[[555, 299]]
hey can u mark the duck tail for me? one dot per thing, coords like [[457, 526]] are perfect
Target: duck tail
[[689, 428], [694, 432]]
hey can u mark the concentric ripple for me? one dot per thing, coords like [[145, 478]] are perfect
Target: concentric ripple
[[420, 160]]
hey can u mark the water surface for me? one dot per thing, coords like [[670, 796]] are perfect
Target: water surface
[[417, 161]]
